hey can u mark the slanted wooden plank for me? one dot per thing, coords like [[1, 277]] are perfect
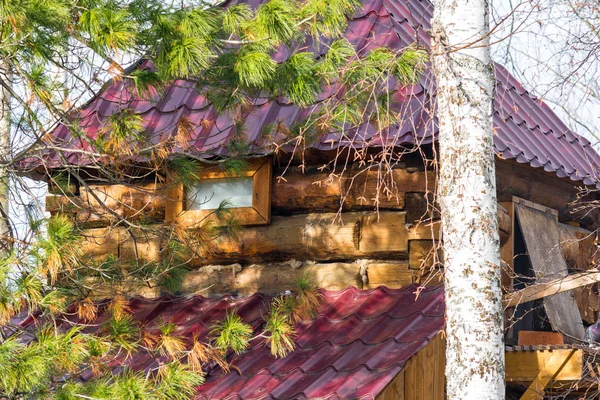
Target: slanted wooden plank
[[551, 288], [541, 235]]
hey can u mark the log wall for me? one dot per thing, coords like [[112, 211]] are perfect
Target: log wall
[[328, 225]]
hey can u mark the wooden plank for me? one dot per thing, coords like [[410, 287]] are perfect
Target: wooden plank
[[515, 180], [551, 288], [588, 302], [535, 338], [424, 372], [540, 232], [262, 181], [525, 366], [439, 375], [395, 389], [507, 248], [141, 246], [130, 201], [377, 233], [548, 372]]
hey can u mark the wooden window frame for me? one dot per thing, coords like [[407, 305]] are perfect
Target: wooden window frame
[[260, 169]]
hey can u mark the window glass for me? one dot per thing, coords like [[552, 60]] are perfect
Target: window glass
[[207, 194]]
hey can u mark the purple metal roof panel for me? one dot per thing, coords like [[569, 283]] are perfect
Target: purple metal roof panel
[[356, 345], [526, 129]]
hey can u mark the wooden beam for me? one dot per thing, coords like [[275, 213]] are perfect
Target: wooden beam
[[548, 372], [525, 366], [216, 280], [551, 288]]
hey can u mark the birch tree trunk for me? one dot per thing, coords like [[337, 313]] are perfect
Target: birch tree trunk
[[467, 196]]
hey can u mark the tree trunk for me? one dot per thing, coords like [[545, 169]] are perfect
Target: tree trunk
[[5, 230], [467, 196]]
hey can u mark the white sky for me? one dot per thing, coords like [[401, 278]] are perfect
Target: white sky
[[539, 43]]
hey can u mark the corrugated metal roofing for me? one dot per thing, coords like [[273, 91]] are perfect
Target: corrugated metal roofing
[[526, 129], [356, 345]]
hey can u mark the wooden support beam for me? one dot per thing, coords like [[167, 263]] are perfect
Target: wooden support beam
[[553, 287], [525, 366], [548, 372]]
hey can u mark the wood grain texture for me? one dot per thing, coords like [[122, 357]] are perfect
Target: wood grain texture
[[541, 235], [273, 278], [424, 372], [525, 366]]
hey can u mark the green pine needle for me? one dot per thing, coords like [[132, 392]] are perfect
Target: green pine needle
[[231, 333]]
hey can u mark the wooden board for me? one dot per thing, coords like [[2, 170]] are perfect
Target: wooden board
[[422, 377], [507, 246], [541, 235], [525, 366]]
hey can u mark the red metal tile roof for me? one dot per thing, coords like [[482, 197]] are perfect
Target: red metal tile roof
[[526, 130], [355, 346]]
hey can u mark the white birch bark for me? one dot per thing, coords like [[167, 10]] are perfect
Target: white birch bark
[[467, 196]]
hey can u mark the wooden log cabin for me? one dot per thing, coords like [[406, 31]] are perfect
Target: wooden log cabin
[[347, 224]]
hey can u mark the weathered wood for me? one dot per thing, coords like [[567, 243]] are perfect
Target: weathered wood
[[318, 237], [540, 232], [534, 185], [97, 244], [588, 302], [132, 202], [321, 191], [214, 280], [140, 201], [507, 244], [421, 254], [327, 236], [525, 366]]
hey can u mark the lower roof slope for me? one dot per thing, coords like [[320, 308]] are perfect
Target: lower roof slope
[[356, 345], [526, 129]]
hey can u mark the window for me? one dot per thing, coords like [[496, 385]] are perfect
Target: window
[[248, 194]]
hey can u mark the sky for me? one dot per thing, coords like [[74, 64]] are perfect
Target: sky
[[550, 46]]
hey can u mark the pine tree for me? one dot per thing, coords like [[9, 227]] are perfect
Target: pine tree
[[54, 55]]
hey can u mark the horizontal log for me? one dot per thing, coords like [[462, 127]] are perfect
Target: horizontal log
[[102, 205], [422, 254], [327, 236], [321, 191], [541, 290], [273, 278]]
